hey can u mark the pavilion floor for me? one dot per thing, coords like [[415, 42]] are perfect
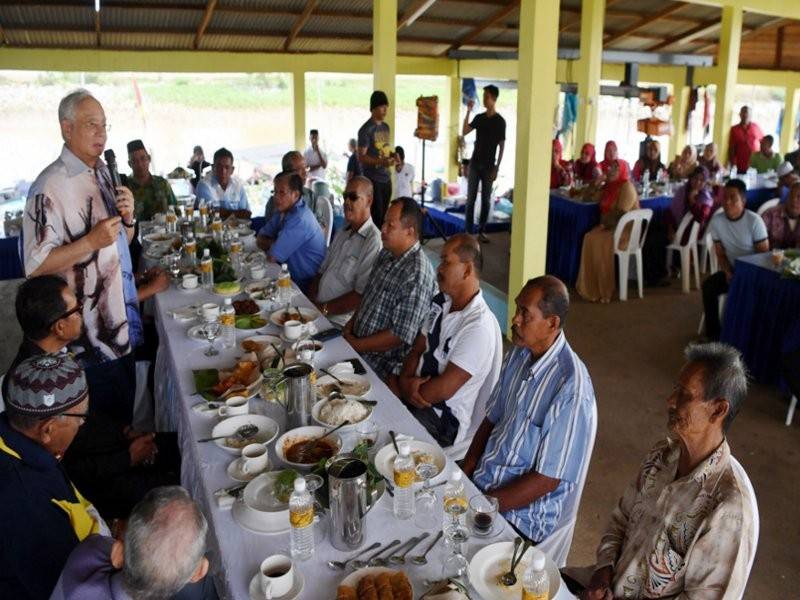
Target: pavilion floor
[[633, 351]]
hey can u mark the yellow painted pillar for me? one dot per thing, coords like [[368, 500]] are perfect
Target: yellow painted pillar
[[588, 70], [299, 105], [384, 52], [453, 127], [789, 124], [680, 93], [536, 103], [727, 71]]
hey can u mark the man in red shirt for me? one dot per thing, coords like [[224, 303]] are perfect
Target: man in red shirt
[[744, 140]]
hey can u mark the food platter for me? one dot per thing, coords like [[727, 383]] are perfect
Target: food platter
[[421, 451], [299, 434], [489, 564], [302, 314], [354, 578], [267, 431], [317, 413], [354, 385]]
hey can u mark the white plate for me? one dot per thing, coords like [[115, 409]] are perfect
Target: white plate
[[349, 378], [188, 290], [196, 333], [384, 459], [490, 562], [261, 284], [297, 587], [257, 510], [267, 430], [266, 340], [315, 410], [236, 473], [309, 314], [353, 579], [203, 409], [302, 433], [159, 237]]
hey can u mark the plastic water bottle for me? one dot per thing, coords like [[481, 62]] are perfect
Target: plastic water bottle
[[284, 285], [207, 270], [301, 520], [455, 507], [190, 249], [536, 582], [646, 183], [404, 476], [171, 220], [227, 318]]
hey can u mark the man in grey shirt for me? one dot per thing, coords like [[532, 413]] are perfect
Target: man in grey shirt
[[344, 274]]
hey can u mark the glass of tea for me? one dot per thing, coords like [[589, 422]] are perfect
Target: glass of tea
[[482, 515]]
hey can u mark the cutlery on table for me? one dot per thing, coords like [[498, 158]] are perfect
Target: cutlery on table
[[420, 558], [400, 559], [378, 560], [394, 441], [360, 564], [510, 578], [242, 432], [340, 565]]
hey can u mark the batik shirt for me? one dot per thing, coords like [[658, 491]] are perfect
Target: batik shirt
[[397, 298], [150, 198], [63, 205], [688, 537]]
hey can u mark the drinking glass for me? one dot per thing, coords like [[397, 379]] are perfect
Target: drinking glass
[[305, 349], [175, 265], [368, 431], [455, 563], [425, 499], [211, 331], [482, 515]]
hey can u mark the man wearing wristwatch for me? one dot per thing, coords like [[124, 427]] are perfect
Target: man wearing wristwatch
[[78, 226]]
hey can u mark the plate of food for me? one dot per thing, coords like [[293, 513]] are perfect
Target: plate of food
[[422, 452], [264, 504], [351, 385], [304, 315], [333, 412], [293, 447], [267, 430], [227, 288], [244, 378], [250, 321], [375, 582], [261, 343], [245, 307], [492, 561], [151, 238], [260, 286]]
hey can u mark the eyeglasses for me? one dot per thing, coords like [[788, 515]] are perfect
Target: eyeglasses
[[351, 196], [81, 416], [95, 127], [77, 308]]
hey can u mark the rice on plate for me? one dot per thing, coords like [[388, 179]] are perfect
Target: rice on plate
[[337, 411]]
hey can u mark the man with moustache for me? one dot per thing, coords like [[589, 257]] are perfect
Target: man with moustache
[[531, 447]]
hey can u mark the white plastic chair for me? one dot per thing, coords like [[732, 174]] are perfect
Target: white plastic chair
[[558, 543], [706, 247], [767, 205], [688, 252], [741, 475], [640, 222], [789, 413], [327, 213]]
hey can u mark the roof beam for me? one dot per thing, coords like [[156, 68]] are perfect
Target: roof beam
[[771, 24], [416, 10], [299, 23], [688, 36], [212, 4], [643, 22], [779, 47], [97, 26], [486, 24], [3, 40]]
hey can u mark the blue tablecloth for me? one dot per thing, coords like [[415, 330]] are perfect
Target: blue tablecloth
[[762, 316], [452, 221], [10, 264]]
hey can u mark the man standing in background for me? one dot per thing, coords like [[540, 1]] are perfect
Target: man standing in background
[[316, 159], [744, 140], [376, 156], [405, 175]]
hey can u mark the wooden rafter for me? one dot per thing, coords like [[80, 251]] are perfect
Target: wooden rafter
[[414, 7], [688, 36], [97, 26], [299, 23], [771, 24], [779, 47], [577, 11], [643, 22], [486, 24], [3, 39], [209, 12]]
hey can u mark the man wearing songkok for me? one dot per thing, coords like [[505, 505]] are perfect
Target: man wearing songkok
[[294, 162], [684, 527], [339, 286], [398, 294], [220, 188], [44, 516], [78, 226], [160, 556], [153, 194], [457, 354], [533, 443]]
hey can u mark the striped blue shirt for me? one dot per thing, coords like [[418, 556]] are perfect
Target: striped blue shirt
[[542, 413]]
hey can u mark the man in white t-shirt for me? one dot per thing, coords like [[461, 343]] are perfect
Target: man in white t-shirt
[[316, 159], [457, 350], [405, 175], [736, 232]]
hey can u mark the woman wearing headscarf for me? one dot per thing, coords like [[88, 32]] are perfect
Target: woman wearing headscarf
[[650, 162], [611, 156], [710, 161], [694, 197], [685, 164], [560, 175], [585, 169], [596, 276]]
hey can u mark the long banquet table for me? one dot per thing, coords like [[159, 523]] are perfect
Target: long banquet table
[[236, 553]]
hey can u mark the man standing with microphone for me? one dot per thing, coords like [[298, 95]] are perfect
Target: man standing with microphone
[[78, 224]]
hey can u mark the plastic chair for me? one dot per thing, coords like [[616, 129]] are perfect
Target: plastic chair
[[789, 413], [327, 213], [640, 222], [558, 543], [688, 252], [744, 480], [706, 247], [767, 205]]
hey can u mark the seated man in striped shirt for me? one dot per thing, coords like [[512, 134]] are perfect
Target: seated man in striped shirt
[[532, 446]]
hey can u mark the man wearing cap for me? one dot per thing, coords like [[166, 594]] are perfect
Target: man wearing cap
[[787, 177], [44, 517], [152, 193], [78, 226], [376, 156]]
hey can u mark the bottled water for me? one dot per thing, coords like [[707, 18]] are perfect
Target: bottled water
[[301, 520], [190, 249], [535, 582], [646, 183], [284, 285], [207, 270], [171, 220], [455, 507], [404, 475], [227, 318]]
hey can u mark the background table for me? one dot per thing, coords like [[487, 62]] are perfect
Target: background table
[[452, 221], [762, 316]]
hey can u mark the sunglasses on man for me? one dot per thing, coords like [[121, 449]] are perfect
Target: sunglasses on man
[[351, 196], [77, 308]]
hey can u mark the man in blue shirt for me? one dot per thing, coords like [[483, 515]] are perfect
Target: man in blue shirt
[[533, 443], [220, 189], [292, 235]]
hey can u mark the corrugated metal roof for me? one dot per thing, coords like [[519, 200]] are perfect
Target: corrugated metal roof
[[161, 41], [46, 16], [434, 30], [242, 43], [289, 5], [230, 21], [338, 25], [172, 20], [66, 39], [311, 44], [349, 6], [462, 9]]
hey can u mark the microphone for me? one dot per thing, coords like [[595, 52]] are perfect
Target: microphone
[[111, 162]]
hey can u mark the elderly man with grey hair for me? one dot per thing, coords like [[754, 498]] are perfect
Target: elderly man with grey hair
[[161, 557], [78, 225], [685, 527]]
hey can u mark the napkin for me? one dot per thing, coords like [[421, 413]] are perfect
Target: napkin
[[341, 369], [185, 313], [227, 496]]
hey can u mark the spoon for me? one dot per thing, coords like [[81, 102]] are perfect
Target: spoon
[[394, 441], [420, 558], [379, 561], [242, 432], [510, 578], [360, 564], [400, 559], [342, 564], [309, 445]]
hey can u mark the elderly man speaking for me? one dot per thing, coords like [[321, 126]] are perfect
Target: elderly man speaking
[[78, 226], [684, 527]]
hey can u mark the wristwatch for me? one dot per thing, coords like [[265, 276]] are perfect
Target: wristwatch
[[131, 226], [325, 309]]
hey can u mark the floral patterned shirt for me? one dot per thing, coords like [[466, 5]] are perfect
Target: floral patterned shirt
[[681, 538]]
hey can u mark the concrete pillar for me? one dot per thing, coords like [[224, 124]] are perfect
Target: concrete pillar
[[730, 42], [454, 126], [789, 124], [299, 109], [384, 52], [588, 70]]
